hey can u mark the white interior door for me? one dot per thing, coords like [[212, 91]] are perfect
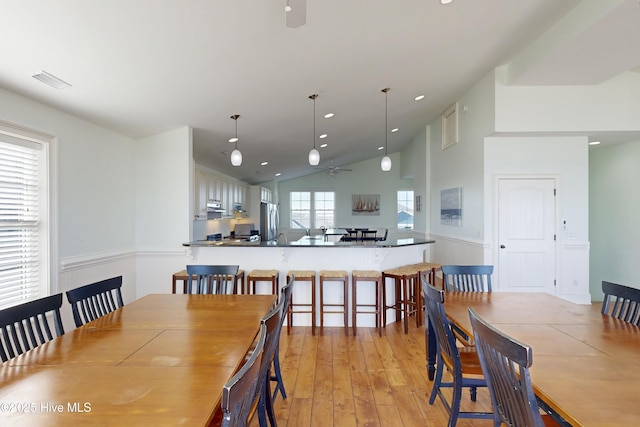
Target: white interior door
[[526, 235]]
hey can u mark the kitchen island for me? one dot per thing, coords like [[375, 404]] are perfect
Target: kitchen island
[[314, 253]]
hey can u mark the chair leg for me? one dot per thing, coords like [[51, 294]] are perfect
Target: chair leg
[[455, 403], [265, 405], [277, 376], [437, 380]]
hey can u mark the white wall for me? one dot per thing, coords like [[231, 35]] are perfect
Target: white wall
[[95, 197], [366, 178], [462, 165], [163, 203], [609, 106], [564, 158], [613, 224]]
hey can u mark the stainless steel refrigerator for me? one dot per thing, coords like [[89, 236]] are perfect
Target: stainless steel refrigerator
[[269, 221]]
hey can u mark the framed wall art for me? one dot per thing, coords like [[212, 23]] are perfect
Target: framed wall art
[[451, 206], [365, 204]]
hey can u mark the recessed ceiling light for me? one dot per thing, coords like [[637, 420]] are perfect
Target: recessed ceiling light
[[323, 136], [328, 115], [380, 148], [324, 146], [445, 1], [264, 163], [418, 98], [51, 80], [394, 130], [278, 174], [233, 139], [594, 143]]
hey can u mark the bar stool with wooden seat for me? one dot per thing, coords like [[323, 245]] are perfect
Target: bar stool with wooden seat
[[254, 276], [406, 287], [366, 276], [429, 269], [182, 275], [335, 276], [310, 307]]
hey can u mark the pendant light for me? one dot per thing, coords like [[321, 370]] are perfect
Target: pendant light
[[236, 155], [385, 164], [314, 155]]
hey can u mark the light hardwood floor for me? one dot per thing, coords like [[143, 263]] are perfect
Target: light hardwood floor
[[337, 380]]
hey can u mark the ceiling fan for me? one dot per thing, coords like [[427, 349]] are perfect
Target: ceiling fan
[[333, 170]]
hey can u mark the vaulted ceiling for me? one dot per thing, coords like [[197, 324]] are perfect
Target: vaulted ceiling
[[148, 66]]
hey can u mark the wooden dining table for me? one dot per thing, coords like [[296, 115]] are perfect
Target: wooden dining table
[[586, 366], [161, 360]]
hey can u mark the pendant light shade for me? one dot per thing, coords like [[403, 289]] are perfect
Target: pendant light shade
[[314, 155], [385, 163], [236, 155]]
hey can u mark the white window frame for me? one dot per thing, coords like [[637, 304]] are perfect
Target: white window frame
[[312, 206], [47, 144], [398, 207]]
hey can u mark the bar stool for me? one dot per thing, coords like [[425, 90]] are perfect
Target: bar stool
[[366, 276], [182, 275], [335, 276], [430, 268], [254, 276], [310, 307], [406, 294]]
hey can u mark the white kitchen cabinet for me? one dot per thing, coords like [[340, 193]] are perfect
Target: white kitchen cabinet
[[211, 186], [201, 194]]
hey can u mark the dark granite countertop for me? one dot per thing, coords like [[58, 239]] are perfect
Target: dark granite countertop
[[312, 242]]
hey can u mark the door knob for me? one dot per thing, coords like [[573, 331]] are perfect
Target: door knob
[[502, 246]]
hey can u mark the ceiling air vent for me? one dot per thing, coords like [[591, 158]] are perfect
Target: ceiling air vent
[[51, 80]]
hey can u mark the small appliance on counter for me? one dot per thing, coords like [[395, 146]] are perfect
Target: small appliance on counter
[[245, 232]]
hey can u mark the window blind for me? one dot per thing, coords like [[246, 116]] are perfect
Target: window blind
[[19, 223]]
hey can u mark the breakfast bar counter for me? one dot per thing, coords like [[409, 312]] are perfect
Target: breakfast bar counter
[[315, 254]]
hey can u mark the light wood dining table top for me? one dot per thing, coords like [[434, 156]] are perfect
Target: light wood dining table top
[[586, 366], [161, 360]]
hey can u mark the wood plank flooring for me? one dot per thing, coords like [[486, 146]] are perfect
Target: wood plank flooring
[[337, 380]]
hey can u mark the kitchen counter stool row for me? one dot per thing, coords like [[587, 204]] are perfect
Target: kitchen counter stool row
[[405, 303]]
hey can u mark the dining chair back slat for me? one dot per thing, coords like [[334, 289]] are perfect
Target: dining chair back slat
[[272, 322], [467, 278], [212, 279], [621, 302], [92, 301], [241, 393], [505, 362], [26, 326]]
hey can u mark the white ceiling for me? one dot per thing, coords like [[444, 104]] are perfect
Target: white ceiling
[[142, 67]]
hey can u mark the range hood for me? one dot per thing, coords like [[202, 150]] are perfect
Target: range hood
[[214, 209]]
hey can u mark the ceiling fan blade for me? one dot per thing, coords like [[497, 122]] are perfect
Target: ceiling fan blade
[[297, 16]]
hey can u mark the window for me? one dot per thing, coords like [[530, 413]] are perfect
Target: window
[[24, 232], [312, 209], [405, 209]]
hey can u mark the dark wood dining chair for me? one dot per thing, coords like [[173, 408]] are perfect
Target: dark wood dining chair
[[505, 362], [467, 278], [463, 363], [241, 394], [621, 302], [95, 300], [211, 279], [285, 296], [272, 322], [26, 326]]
